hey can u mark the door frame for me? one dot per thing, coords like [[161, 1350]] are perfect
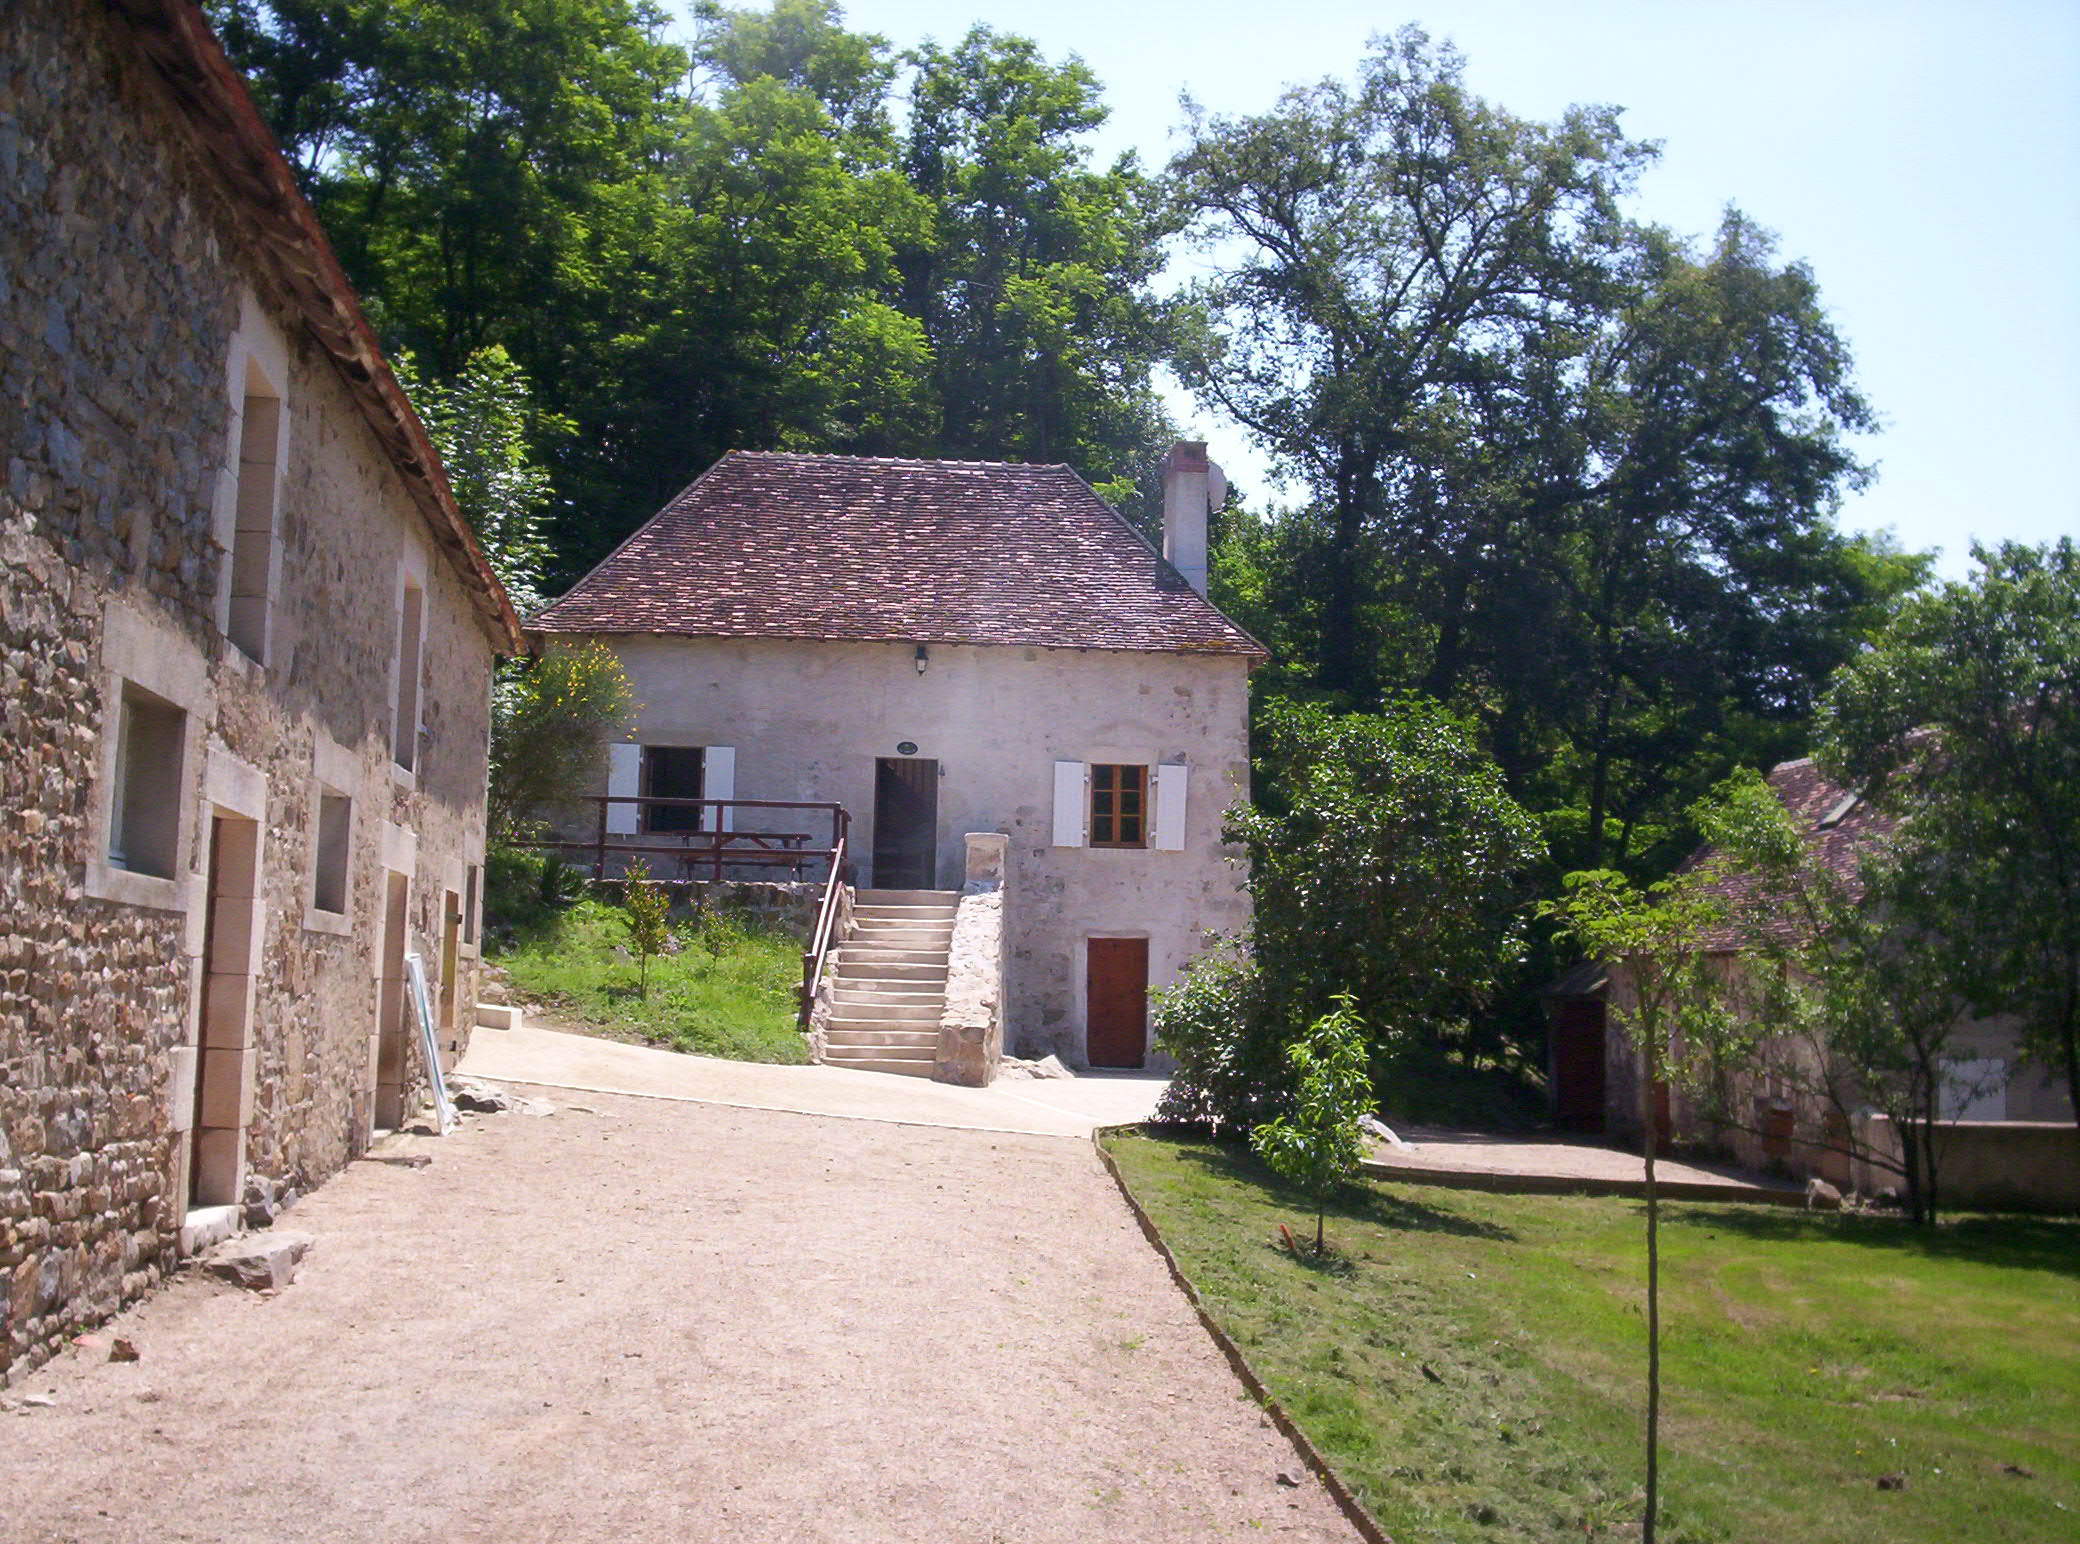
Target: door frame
[[931, 848], [1084, 972]]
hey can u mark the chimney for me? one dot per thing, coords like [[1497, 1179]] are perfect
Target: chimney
[[1192, 486]]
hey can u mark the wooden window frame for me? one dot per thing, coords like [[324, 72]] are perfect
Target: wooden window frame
[[1113, 785]]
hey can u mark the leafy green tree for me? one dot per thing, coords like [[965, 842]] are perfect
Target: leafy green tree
[[1666, 998], [549, 719], [1320, 1143], [485, 425], [1964, 719], [1386, 864], [644, 906]]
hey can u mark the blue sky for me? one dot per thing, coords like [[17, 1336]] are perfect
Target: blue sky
[[1923, 158]]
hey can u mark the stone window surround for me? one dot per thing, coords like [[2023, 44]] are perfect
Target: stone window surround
[[158, 656], [257, 346], [412, 570], [334, 770]]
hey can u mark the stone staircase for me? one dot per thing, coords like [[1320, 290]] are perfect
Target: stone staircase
[[888, 982]]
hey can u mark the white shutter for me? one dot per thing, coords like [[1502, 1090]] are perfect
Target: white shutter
[[1071, 805], [719, 781], [1169, 821], [624, 780]]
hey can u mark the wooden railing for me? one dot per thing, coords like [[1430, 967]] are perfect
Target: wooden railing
[[820, 941], [704, 853]]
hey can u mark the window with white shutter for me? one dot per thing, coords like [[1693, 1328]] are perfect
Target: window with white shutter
[[1070, 804], [1169, 808], [624, 780]]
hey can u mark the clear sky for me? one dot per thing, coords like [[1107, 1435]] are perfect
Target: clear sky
[[1924, 158]]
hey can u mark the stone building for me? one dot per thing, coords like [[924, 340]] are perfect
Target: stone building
[[245, 653], [948, 648]]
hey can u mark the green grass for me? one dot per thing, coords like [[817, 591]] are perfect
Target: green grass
[[729, 991], [1474, 1364]]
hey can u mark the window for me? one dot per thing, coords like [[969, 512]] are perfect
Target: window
[[1119, 805], [253, 537], [144, 817], [335, 822], [672, 772], [404, 727]]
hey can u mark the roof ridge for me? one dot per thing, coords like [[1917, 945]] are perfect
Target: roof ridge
[[832, 455]]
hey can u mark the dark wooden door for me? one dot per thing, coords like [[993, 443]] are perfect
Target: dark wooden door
[[906, 822], [1578, 1063], [1116, 1002]]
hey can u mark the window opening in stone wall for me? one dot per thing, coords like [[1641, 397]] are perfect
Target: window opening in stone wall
[[253, 541], [1119, 804], [144, 815], [672, 772], [404, 728], [335, 822]]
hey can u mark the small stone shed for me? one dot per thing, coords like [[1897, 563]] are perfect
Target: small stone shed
[[246, 645], [952, 648]]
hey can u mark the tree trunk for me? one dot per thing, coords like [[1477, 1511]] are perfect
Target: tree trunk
[[1653, 1323], [1318, 1234]]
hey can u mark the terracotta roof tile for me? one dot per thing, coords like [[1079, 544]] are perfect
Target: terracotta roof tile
[[768, 545]]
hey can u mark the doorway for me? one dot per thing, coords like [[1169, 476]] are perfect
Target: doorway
[[906, 822], [451, 965], [391, 1003], [223, 1030], [1116, 1002], [1578, 1067]]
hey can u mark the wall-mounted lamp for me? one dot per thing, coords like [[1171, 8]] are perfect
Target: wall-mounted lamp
[[924, 658]]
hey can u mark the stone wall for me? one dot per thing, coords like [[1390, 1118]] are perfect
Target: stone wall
[[807, 721], [971, 1024], [129, 305]]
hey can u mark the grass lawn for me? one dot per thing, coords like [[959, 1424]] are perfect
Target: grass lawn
[[1474, 1364], [729, 991]]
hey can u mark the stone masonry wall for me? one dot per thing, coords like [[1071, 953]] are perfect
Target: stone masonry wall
[[125, 287]]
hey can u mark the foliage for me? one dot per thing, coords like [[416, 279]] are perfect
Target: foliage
[[523, 891], [734, 999], [1965, 718], [1385, 863], [1668, 1000], [550, 716], [484, 424], [1850, 1002], [644, 903], [1320, 1143], [1564, 472], [1819, 1351]]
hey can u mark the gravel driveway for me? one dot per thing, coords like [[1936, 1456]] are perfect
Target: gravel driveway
[[640, 1320]]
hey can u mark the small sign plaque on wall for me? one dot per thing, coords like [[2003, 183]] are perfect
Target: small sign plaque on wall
[[907, 748]]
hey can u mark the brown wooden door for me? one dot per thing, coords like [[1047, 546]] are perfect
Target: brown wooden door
[[1578, 1063], [1116, 1002]]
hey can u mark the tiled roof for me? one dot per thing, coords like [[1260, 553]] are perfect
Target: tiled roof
[[767, 545], [1836, 825]]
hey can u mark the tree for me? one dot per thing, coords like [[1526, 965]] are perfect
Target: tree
[[1319, 1144], [1666, 999], [485, 424], [644, 905], [549, 719], [1386, 864], [1964, 720], [1848, 999]]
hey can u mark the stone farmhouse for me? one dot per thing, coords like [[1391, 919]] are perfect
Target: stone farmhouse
[[248, 645], [1008, 690], [2008, 1136]]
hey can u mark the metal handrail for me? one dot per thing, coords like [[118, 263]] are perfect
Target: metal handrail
[[819, 946]]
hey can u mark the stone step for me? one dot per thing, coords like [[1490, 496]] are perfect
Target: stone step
[[931, 921], [900, 938], [852, 953], [888, 1013], [856, 970], [858, 1036], [905, 897], [905, 994], [863, 1060]]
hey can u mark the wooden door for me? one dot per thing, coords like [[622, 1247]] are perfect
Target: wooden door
[[1116, 1002], [1578, 1069], [906, 822]]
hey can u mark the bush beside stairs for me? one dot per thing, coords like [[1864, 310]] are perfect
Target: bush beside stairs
[[888, 982]]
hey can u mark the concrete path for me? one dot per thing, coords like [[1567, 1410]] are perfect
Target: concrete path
[[1060, 1107], [1484, 1161], [643, 1320]]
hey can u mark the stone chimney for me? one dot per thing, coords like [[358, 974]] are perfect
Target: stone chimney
[[1192, 487]]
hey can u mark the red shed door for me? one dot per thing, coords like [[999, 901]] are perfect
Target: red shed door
[[1116, 1002]]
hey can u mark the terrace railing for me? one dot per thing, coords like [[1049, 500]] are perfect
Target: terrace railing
[[684, 839]]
